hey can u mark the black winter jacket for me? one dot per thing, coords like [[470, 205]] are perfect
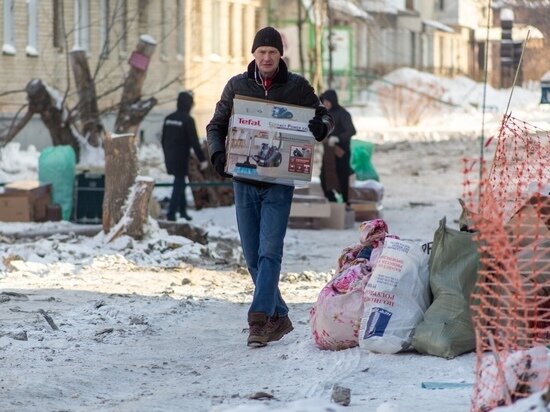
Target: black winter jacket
[[343, 125], [179, 135], [287, 88]]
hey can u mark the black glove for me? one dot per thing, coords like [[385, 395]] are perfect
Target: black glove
[[318, 128], [219, 160]]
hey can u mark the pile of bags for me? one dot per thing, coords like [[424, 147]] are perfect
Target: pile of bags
[[390, 295]]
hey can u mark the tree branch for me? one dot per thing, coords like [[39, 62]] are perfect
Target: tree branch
[[9, 133], [11, 92]]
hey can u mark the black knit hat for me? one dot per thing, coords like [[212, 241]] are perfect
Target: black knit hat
[[268, 36]]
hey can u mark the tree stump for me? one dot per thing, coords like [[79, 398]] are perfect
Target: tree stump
[[121, 165], [138, 207], [136, 211]]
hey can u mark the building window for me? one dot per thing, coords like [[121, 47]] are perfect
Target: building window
[[58, 26], [413, 49], [32, 34], [196, 24], [163, 29], [9, 42], [123, 19], [231, 39], [244, 41], [180, 46], [441, 55], [104, 28], [257, 18], [441, 5], [216, 28], [81, 25], [409, 4], [143, 13]]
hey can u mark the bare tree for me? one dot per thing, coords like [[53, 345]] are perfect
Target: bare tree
[[80, 122], [320, 11]]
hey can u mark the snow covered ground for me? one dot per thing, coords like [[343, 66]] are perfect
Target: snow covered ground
[[159, 325]]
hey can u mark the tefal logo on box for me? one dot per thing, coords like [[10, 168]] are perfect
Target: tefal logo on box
[[249, 122]]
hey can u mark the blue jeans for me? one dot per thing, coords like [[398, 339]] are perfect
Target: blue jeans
[[262, 218]]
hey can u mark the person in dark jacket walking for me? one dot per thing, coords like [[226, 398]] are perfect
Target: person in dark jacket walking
[[335, 167], [179, 135], [263, 208]]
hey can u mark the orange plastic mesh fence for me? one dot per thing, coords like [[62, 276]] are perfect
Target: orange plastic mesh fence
[[510, 211]]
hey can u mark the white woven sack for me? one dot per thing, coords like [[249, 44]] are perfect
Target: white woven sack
[[396, 297]]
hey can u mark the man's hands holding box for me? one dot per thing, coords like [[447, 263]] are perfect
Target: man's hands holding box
[[218, 160], [318, 128]]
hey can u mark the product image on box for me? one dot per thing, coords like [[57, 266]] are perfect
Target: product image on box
[[300, 159], [268, 141]]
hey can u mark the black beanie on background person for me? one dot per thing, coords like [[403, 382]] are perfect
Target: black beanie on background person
[[268, 36]]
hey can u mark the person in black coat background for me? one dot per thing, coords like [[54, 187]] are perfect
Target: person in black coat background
[[335, 168], [179, 135]]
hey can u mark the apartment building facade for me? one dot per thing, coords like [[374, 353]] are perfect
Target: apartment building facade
[[200, 44]]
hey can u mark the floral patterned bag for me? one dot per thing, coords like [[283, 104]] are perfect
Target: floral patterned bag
[[336, 316]]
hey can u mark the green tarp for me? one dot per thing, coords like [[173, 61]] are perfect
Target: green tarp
[[360, 161], [56, 165]]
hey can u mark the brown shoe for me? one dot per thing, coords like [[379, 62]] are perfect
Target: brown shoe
[[277, 327], [257, 335]]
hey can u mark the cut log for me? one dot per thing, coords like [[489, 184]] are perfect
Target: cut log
[[136, 211], [194, 233], [91, 127], [121, 166], [138, 207], [187, 230], [41, 232], [132, 110]]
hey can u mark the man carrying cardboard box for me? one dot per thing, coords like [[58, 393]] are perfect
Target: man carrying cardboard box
[[263, 208]]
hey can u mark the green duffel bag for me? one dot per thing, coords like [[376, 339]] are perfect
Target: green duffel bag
[[447, 328]]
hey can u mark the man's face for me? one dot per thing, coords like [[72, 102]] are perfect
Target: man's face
[[267, 59], [327, 104]]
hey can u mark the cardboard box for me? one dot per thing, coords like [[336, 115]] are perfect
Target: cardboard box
[[341, 217], [38, 195], [15, 208], [270, 141], [309, 206], [32, 188], [366, 211]]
